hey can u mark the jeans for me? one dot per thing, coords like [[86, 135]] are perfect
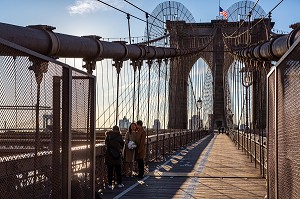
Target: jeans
[[110, 170], [140, 167]]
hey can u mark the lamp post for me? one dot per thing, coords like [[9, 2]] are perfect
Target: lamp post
[[199, 106], [247, 82]]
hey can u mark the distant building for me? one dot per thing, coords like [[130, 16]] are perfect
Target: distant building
[[156, 124], [194, 122], [47, 120], [124, 123]]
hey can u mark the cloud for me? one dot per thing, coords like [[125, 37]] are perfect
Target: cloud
[[88, 6]]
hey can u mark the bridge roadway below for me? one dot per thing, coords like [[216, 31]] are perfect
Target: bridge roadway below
[[210, 168]]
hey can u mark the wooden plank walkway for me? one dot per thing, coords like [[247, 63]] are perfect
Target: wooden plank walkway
[[211, 168]]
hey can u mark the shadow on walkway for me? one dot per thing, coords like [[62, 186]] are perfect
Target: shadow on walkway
[[209, 168]]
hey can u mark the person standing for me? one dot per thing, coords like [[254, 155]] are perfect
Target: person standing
[[113, 159], [129, 149], [140, 150]]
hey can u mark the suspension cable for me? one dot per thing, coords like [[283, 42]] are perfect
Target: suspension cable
[[143, 11], [230, 36], [126, 13], [248, 16]]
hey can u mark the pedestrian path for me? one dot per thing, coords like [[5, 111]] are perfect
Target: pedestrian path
[[210, 168]]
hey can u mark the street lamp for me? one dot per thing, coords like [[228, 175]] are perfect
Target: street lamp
[[199, 106], [247, 82]]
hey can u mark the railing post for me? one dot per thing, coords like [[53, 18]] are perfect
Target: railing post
[[66, 135], [56, 156], [92, 101]]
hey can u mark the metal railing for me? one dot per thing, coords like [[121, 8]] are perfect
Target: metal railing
[[254, 145], [158, 148]]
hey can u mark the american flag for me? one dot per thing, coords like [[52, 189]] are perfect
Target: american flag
[[223, 12]]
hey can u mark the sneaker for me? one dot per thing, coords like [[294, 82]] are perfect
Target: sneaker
[[110, 186], [120, 185]]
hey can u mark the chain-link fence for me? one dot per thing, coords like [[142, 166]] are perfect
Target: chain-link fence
[[46, 127], [283, 126]]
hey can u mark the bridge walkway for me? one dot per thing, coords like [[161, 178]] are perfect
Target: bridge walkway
[[210, 168]]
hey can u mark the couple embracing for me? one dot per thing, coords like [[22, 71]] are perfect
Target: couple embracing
[[134, 148]]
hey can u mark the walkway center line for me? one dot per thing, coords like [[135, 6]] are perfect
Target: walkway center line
[[194, 181]]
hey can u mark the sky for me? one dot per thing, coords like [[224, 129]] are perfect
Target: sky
[[90, 17]]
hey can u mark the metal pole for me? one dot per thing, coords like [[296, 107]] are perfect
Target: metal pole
[[56, 143], [128, 18], [92, 136], [66, 135]]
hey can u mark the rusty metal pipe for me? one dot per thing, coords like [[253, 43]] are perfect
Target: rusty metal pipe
[[43, 40]]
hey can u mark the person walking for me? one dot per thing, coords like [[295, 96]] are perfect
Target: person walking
[[129, 149], [140, 150], [113, 159]]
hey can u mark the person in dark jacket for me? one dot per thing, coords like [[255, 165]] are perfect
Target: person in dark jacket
[[140, 150], [114, 144]]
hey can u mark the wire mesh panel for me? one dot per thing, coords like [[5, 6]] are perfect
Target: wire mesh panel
[[271, 135], [31, 90], [82, 170], [288, 125], [283, 119]]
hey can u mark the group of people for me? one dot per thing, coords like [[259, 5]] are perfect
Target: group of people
[[127, 151]]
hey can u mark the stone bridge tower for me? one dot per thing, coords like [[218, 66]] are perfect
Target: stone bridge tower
[[209, 38]]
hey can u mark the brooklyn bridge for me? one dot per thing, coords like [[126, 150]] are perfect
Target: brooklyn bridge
[[219, 101]]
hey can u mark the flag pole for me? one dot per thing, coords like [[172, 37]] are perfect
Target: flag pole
[[219, 7]]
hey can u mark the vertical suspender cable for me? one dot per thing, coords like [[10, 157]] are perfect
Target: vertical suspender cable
[[149, 79], [117, 104], [148, 107], [97, 100], [118, 67], [133, 94], [166, 72], [158, 90], [138, 97]]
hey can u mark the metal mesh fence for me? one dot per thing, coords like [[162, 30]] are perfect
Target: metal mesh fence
[[287, 128], [81, 137], [31, 91], [288, 125], [271, 159]]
